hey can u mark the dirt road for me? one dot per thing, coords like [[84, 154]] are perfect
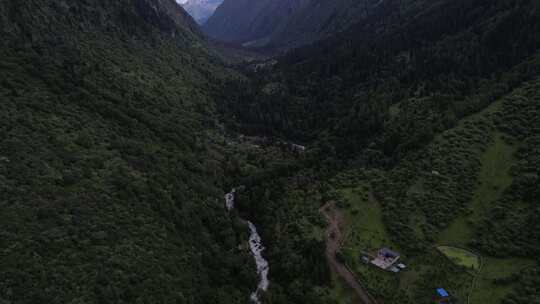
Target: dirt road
[[334, 240]]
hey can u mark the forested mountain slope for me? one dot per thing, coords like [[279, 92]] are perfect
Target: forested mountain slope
[[321, 19], [245, 20], [451, 56], [110, 185], [283, 24]]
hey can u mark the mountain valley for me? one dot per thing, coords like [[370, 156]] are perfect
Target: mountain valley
[[386, 152]]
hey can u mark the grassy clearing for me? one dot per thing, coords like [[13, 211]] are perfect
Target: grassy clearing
[[494, 177], [492, 180], [461, 257], [365, 232], [365, 228]]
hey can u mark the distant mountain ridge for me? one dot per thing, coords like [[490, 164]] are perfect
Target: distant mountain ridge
[[284, 23], [247, 20]]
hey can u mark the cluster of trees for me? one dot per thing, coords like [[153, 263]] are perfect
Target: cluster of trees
[[283, 203], [527, 288]]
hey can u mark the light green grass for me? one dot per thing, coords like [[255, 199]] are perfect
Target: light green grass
[[365, 230], [365, 233], [461, 257]]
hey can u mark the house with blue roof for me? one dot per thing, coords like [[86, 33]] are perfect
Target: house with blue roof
[[443, 296]]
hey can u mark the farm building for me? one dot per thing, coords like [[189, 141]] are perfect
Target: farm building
[[298, 148], [443, 297], [385, 258]]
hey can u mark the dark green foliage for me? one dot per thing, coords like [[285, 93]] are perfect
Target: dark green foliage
[[395, 93], [109, 184], [286, 211], [513, 226], [440, 272], [298, 259], [439, 53], [112, 168], [527, 291]]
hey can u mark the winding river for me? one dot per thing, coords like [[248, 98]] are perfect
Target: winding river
[[256, 247]]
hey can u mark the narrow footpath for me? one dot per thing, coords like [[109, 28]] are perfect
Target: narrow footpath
[[334, 240]]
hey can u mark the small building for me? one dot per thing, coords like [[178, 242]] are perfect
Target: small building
[[298, 148], [389, 254], [386, 258], [443, 296], [443, 293], [401, 266]]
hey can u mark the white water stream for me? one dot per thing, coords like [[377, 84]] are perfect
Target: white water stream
[[256, 247]]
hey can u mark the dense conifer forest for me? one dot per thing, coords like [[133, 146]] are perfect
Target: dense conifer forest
[[109, 171]]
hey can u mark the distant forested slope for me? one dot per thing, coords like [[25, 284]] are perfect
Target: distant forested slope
[[284, 24], [452, 55], [244, 21]]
